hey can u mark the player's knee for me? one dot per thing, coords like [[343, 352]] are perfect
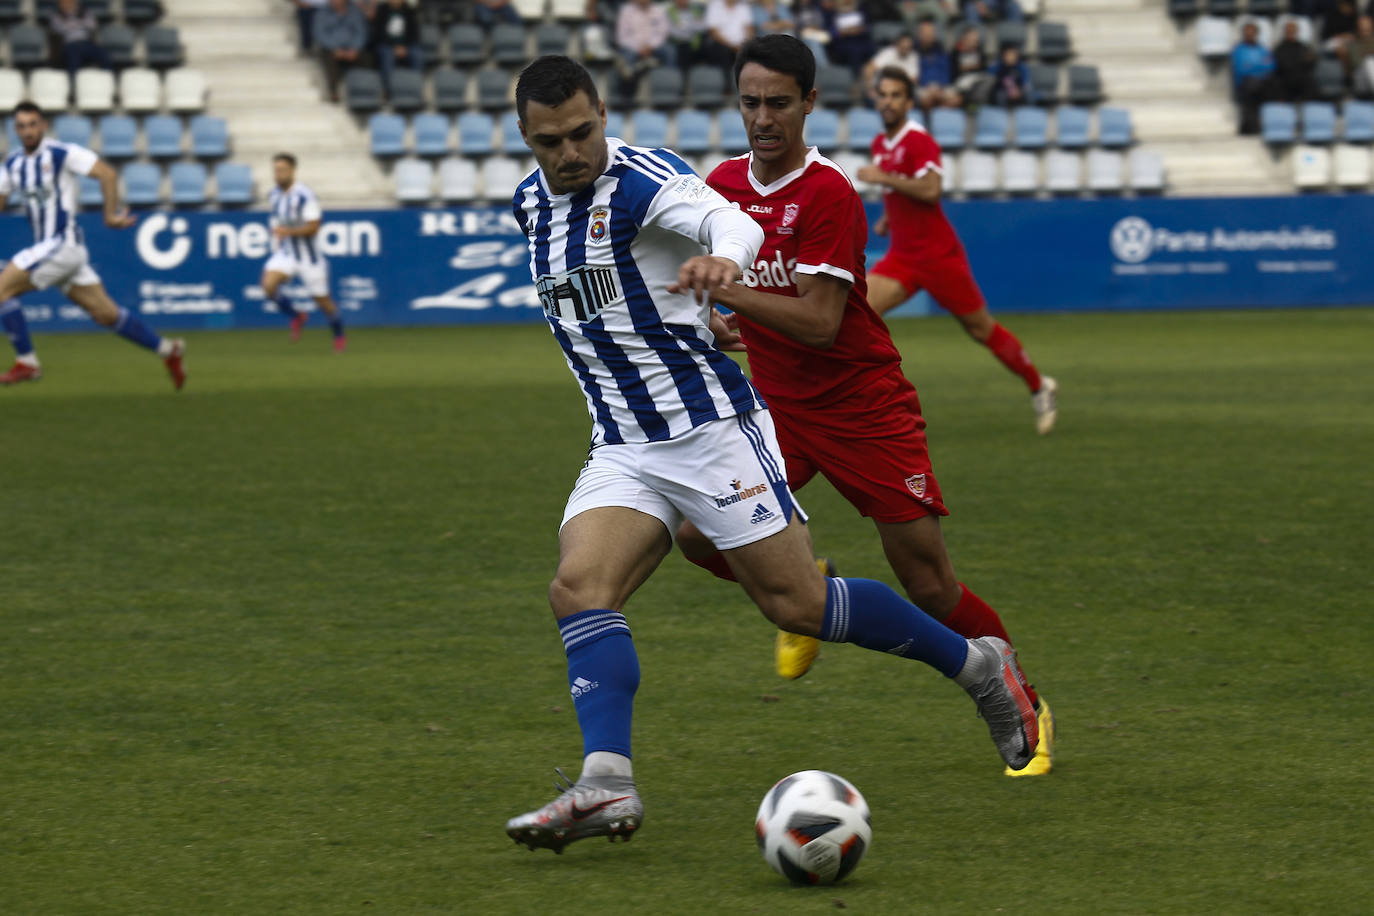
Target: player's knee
[[103, 315]]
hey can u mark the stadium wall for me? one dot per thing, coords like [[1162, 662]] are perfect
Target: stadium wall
[[414, 267]]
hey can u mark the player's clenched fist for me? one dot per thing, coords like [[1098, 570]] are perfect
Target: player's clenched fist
[[704, 276]]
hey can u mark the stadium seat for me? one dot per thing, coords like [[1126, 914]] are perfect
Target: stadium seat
[[500, 176], [947, 126], [978, 173], [362, 90], [1226, 8], [187, 181], [734, 139], [1266, 7], [95, 90], [885, 33], [1114, 127], [49, 88], [665, 87], [1213, 37], [431, 134], [73, 128], [1071, 127], [11, 11], [28, 46], [990, 128], [386, 134], [118, 137], [140, 90], [823, 130], [142, 184], [186, 89], [862, 125], [431, 40], [466, 45], [1104, 171], [693, 132], [835, 86], [508, 45], [1044, 81], [1085, 85], [1063, 172], [1052, 42], [529, 10], [142, 12], [1278, 122], [650, 128], [1147, 171], [1009, 34], [414, 180], [1330, 77], [102, 10], [1359, 122], [162, 136], [493, 90], [706, 86], [458, 180], [1311, 167], [550, 38], [1318, 122], [615, 124], [450, 89], [233, 184], [475, 131], [89, 193], [851, 163], [12, 90], [407, 90], [1020, 172], [512, 143], [1351, 166], [568, 10], [1180, 9], [1032, 126], [118, 41]]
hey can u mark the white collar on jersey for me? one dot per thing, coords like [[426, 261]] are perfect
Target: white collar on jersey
[[891, 142], [763, 190]]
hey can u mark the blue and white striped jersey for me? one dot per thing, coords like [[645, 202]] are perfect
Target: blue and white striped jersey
[[48, 181], [602, 260], [295, 206]]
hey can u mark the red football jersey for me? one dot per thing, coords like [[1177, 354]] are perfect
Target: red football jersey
[[917, 229], [813, 222]]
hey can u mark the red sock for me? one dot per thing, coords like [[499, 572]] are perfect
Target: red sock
[[973, 617], [1008, 349], [715, 565]]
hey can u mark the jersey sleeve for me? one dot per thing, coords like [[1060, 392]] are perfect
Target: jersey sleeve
[[925, 154], [682, 205], [79, 160], [310, 209], [6, 185], [833, 231]]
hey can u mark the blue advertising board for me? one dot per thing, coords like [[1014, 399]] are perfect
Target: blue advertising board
[[415, 267]]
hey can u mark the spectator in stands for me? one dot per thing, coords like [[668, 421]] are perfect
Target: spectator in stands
[[1338, 26], [1359, 56], [341, 35], [75, 29], [774, 17], [913, 12], [936, 72], [305, 21], [489, 12], [729, 24], [900, 54], [1010, 79], [686, 31], [1295, 64], [972, 77], [992, 11], [851, 41], [641, 40], [396, 38], [1251, 67]]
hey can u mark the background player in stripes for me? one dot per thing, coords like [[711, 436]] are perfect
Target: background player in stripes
[[45, 173], [296, 219], [925, 252], [624, 244]]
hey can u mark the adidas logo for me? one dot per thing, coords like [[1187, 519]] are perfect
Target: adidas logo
[[581, 685], [761, 514], [900, 650]]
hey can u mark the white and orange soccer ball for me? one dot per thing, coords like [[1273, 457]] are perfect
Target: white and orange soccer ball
[[813, 827]]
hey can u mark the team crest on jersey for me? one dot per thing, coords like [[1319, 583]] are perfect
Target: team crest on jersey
[[598, 225], [916, 483], [789, 216]]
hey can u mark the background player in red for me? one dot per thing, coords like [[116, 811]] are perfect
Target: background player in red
[[925, 253], [823, 359]]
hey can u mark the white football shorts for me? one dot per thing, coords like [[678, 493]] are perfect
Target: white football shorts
[[57, 262], [726, 477], [314, 277]]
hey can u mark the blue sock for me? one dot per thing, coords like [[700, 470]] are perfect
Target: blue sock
[[869, 614], [131, 327], [336, 325], [603, 674], [16, 327], [284, 305]]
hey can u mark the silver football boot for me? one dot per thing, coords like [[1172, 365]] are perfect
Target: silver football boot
[[605, 806], [1000, 692]]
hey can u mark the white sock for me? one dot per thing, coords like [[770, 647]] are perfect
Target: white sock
[[974, 669], [605, 763], [165, 347], [28, 359]]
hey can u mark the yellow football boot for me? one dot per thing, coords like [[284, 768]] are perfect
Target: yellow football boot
[[794, 654], [1043, 761]]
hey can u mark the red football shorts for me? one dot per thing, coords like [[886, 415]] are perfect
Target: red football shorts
[[948, 279], [871, 446]]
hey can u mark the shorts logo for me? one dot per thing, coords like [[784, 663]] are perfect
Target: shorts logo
[[598, 224], [916, 483], [789, 216], [740, 494], [760, 515]]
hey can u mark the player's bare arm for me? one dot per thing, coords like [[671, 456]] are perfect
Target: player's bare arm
[[812, 318], [926, 188], [305, 230], [116, 217]]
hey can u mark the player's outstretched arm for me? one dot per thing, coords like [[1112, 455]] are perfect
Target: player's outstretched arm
[[926, 189], [812, 318], [116, 217]]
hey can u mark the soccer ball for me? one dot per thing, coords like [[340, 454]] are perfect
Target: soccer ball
[[813, 827]]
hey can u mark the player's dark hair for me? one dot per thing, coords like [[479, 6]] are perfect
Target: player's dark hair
[[29, 107], [897, 74], [782, 54], [551, 80], [285, 157]]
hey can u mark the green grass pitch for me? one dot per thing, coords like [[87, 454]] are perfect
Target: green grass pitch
[[279, 644]]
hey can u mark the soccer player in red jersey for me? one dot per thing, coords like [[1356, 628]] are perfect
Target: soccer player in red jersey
[[823, 359], [925, 253]]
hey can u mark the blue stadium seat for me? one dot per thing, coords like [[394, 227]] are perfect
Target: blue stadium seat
[[1278, 122], [90, 194], [1032, 128], [990, 128], [73, 128], [142, 184], [947, 126], [233, 184], [118, 137], [1114, 127], [474, 133], [209, 137], [650, 128], [1071, 128], [162, 136], [1318, 122], [512, 143], [1359, 122], [823, 129], [864, 124], [431, 133], [693, 132], [188, 183], [615, 124], [734, 139], [386, 134]]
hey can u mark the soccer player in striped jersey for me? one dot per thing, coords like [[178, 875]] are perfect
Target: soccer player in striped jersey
[[626, 247], [296, 219], [45, 174]]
